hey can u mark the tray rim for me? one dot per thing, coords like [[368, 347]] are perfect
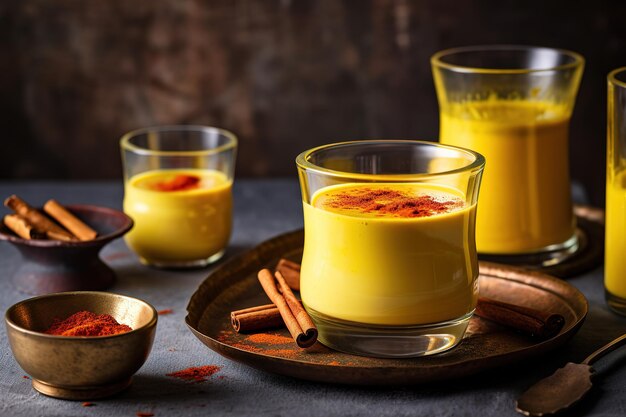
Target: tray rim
[[301, 369]]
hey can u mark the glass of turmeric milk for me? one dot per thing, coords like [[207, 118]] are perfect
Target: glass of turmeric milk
[[177, 189], [513, 105], [389, 266], [615, 245]]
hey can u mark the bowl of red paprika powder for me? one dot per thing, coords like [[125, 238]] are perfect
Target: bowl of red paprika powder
[[81, 345]]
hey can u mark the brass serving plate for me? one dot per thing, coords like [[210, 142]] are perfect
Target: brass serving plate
[[234, 285]]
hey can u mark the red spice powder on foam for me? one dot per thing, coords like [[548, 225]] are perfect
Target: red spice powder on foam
[[387, 201], [180, 182], [196, 373]]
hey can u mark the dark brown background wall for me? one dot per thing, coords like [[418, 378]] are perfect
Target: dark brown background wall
[[284, 75]]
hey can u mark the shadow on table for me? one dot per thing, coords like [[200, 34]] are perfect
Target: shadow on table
[[132, 276]]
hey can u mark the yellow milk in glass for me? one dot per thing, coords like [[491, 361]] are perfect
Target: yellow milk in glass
[[615, 259], [178, 222], [525, 202], [370, 265]]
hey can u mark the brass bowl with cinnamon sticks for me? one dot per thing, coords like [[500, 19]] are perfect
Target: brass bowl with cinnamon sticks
[[55, 259], [80, 367]]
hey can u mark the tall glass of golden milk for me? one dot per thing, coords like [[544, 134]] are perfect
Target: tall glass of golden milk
[[177, 189], [615, 235], [513, 105], [389, 266]]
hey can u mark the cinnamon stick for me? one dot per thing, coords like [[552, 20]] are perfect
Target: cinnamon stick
[[37, 220], [256, 318], [22, 227], [526, 320], [291, 272], [304, 335], [69, 221], [303, 318]]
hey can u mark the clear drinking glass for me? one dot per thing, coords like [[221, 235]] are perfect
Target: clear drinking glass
[[615, 245], [177, 189], [389, 266], [513, 105]]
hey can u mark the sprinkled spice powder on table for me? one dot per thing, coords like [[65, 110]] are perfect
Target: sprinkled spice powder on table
[[165, 311], [196, 374]]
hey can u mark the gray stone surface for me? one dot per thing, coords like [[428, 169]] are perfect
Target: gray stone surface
[[264, 209]]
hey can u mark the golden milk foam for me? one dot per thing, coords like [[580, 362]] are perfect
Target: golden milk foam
[[389, 254], [525, 203], [180, 215]]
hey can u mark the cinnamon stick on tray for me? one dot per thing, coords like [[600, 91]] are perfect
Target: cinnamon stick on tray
[[291, 272], [526, 320], [22, 227], [37, 219], [67, 219], [293, 314], [256, 318]]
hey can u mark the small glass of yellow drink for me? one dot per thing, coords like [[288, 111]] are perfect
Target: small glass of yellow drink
[[615, 245], [513, 105], [389, 266], [177, 189]]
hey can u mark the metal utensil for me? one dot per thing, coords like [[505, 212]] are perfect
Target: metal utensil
[[565, 387]]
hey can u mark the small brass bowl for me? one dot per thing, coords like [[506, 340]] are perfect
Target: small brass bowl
[[50, 266], [78, 367]]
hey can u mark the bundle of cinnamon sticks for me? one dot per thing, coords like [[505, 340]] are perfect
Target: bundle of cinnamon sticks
[[286, 307], [29, 223], [286, 310]]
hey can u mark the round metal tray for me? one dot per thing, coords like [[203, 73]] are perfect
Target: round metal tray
[[233, 285]]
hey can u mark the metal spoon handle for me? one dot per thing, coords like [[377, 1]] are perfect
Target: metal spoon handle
[[610, 347]]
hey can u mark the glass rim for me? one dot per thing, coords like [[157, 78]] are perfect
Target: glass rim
[[612, 77], [437, 59], [125, 141], [302, 161]]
